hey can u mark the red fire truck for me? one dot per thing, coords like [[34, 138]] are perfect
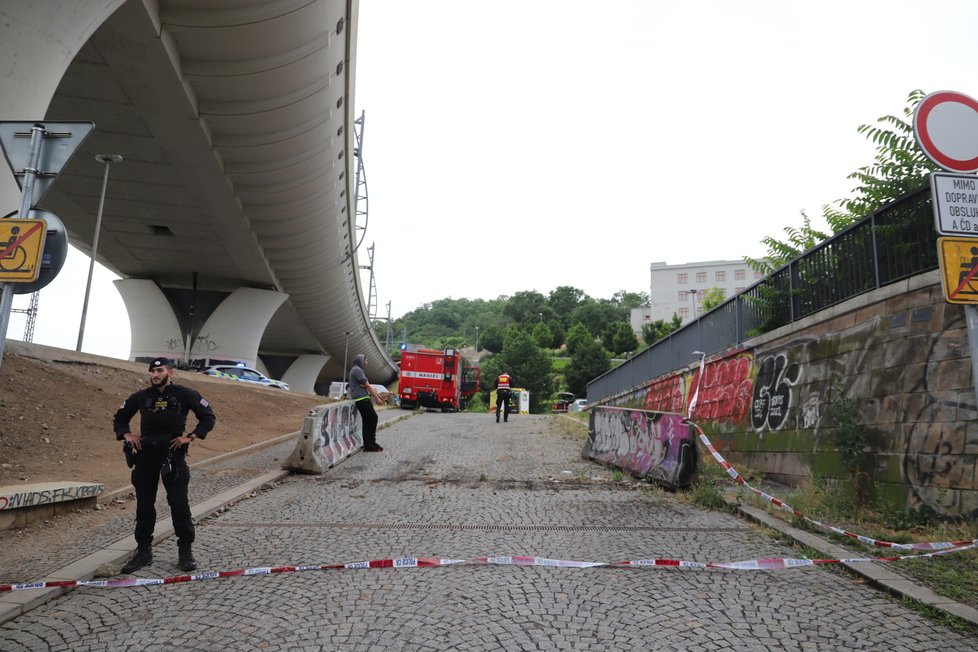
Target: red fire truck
[[436, 379]]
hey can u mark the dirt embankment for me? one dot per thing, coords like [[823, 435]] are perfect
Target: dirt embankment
[[56, 409]]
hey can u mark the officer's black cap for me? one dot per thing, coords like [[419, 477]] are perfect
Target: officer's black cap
[[160, 362]]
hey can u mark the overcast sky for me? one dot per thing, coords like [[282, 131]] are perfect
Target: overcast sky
[[515, 145]]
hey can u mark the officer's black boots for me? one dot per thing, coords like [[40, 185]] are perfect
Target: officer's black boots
[[142, 557], [187, 562]]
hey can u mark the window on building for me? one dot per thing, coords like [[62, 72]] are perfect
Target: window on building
[[721, 276], [683, 295], [740, 274], [682, 279], [701, 277], [684, 312]]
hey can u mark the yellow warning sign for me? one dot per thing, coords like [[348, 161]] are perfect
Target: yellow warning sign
[[21, 248], [959, 269]]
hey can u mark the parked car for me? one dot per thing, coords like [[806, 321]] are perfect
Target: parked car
[[242, 374], [563, 402], [579, 405]]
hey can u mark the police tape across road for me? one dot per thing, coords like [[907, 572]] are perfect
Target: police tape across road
[[328, 429], [432, 562]]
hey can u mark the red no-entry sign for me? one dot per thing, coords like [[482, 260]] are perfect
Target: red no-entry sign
[[945, 124]]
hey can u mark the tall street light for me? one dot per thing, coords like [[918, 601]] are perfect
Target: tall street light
[[108, 160], [476, 339], [693, 292]]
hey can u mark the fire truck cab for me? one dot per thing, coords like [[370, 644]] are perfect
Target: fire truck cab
[[436, 379]]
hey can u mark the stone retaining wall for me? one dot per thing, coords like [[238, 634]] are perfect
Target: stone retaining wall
[[900, 353]]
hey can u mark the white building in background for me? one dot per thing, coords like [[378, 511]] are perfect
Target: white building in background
[[680, 289]]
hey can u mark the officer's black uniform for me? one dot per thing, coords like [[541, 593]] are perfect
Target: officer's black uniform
[[163, 417]]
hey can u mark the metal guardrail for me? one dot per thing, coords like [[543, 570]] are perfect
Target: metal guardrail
[[895, 242]]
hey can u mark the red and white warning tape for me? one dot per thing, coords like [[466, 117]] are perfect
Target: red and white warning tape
[[945, 546], [934, 549], [949, 546], [430, 562]]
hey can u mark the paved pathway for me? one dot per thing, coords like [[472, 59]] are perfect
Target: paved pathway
[[461, 486]]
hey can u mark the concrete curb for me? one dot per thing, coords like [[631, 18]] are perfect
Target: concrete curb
[[214, 460], [876, 574], [16, 603]]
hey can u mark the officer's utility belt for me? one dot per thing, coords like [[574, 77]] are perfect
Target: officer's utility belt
[[157, 441]]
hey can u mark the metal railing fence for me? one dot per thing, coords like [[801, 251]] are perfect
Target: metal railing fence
[[896, 241]]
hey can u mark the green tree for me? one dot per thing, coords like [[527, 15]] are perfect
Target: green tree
[[596, 315], [899, 167], [563, 300], [525, 307], [714, 297], [491, 339], [577, 337], [630, 300], [620, 338], [656, 330], [530, 368], [543, 335], [588, 362]]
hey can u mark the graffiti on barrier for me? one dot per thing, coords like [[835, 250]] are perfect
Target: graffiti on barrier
[[329, 435], [772, 392], [645, 444], [34, 498]]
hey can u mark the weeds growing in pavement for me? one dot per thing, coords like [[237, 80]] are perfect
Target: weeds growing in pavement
[[708, 487]]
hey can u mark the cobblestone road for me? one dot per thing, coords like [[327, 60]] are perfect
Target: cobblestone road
[[462, 486]]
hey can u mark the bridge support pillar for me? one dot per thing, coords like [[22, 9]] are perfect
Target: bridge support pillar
[[155, 330], [302, 373], [234, 330], [231, 333]]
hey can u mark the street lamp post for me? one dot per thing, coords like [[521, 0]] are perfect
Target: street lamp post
[[108, 160], [693, 292], [476, 339]]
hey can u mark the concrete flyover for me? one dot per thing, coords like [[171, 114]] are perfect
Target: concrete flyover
[[230, 220]]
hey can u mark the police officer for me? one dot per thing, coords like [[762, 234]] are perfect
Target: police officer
[[503, 393], [160, 450]]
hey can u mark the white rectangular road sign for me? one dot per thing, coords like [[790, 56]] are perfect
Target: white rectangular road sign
[[955, 203]]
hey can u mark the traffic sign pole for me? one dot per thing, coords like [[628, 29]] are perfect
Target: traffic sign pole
[[30, 173], [39, 169]]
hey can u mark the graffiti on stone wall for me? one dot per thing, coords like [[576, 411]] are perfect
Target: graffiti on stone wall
[[772, 397], [645, 444], [32, 498], [725, 394], [668, 395]]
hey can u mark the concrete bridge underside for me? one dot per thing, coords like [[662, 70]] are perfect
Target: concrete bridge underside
[[231, 217]]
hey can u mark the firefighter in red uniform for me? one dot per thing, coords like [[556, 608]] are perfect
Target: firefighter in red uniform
[[503, 393]]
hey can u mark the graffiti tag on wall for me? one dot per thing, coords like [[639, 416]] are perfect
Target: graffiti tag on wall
[[772, 392], [724, 395], [32, 498], [725, 392], [645, 444]]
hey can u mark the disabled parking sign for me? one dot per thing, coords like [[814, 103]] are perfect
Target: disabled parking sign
[[21, 245]]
